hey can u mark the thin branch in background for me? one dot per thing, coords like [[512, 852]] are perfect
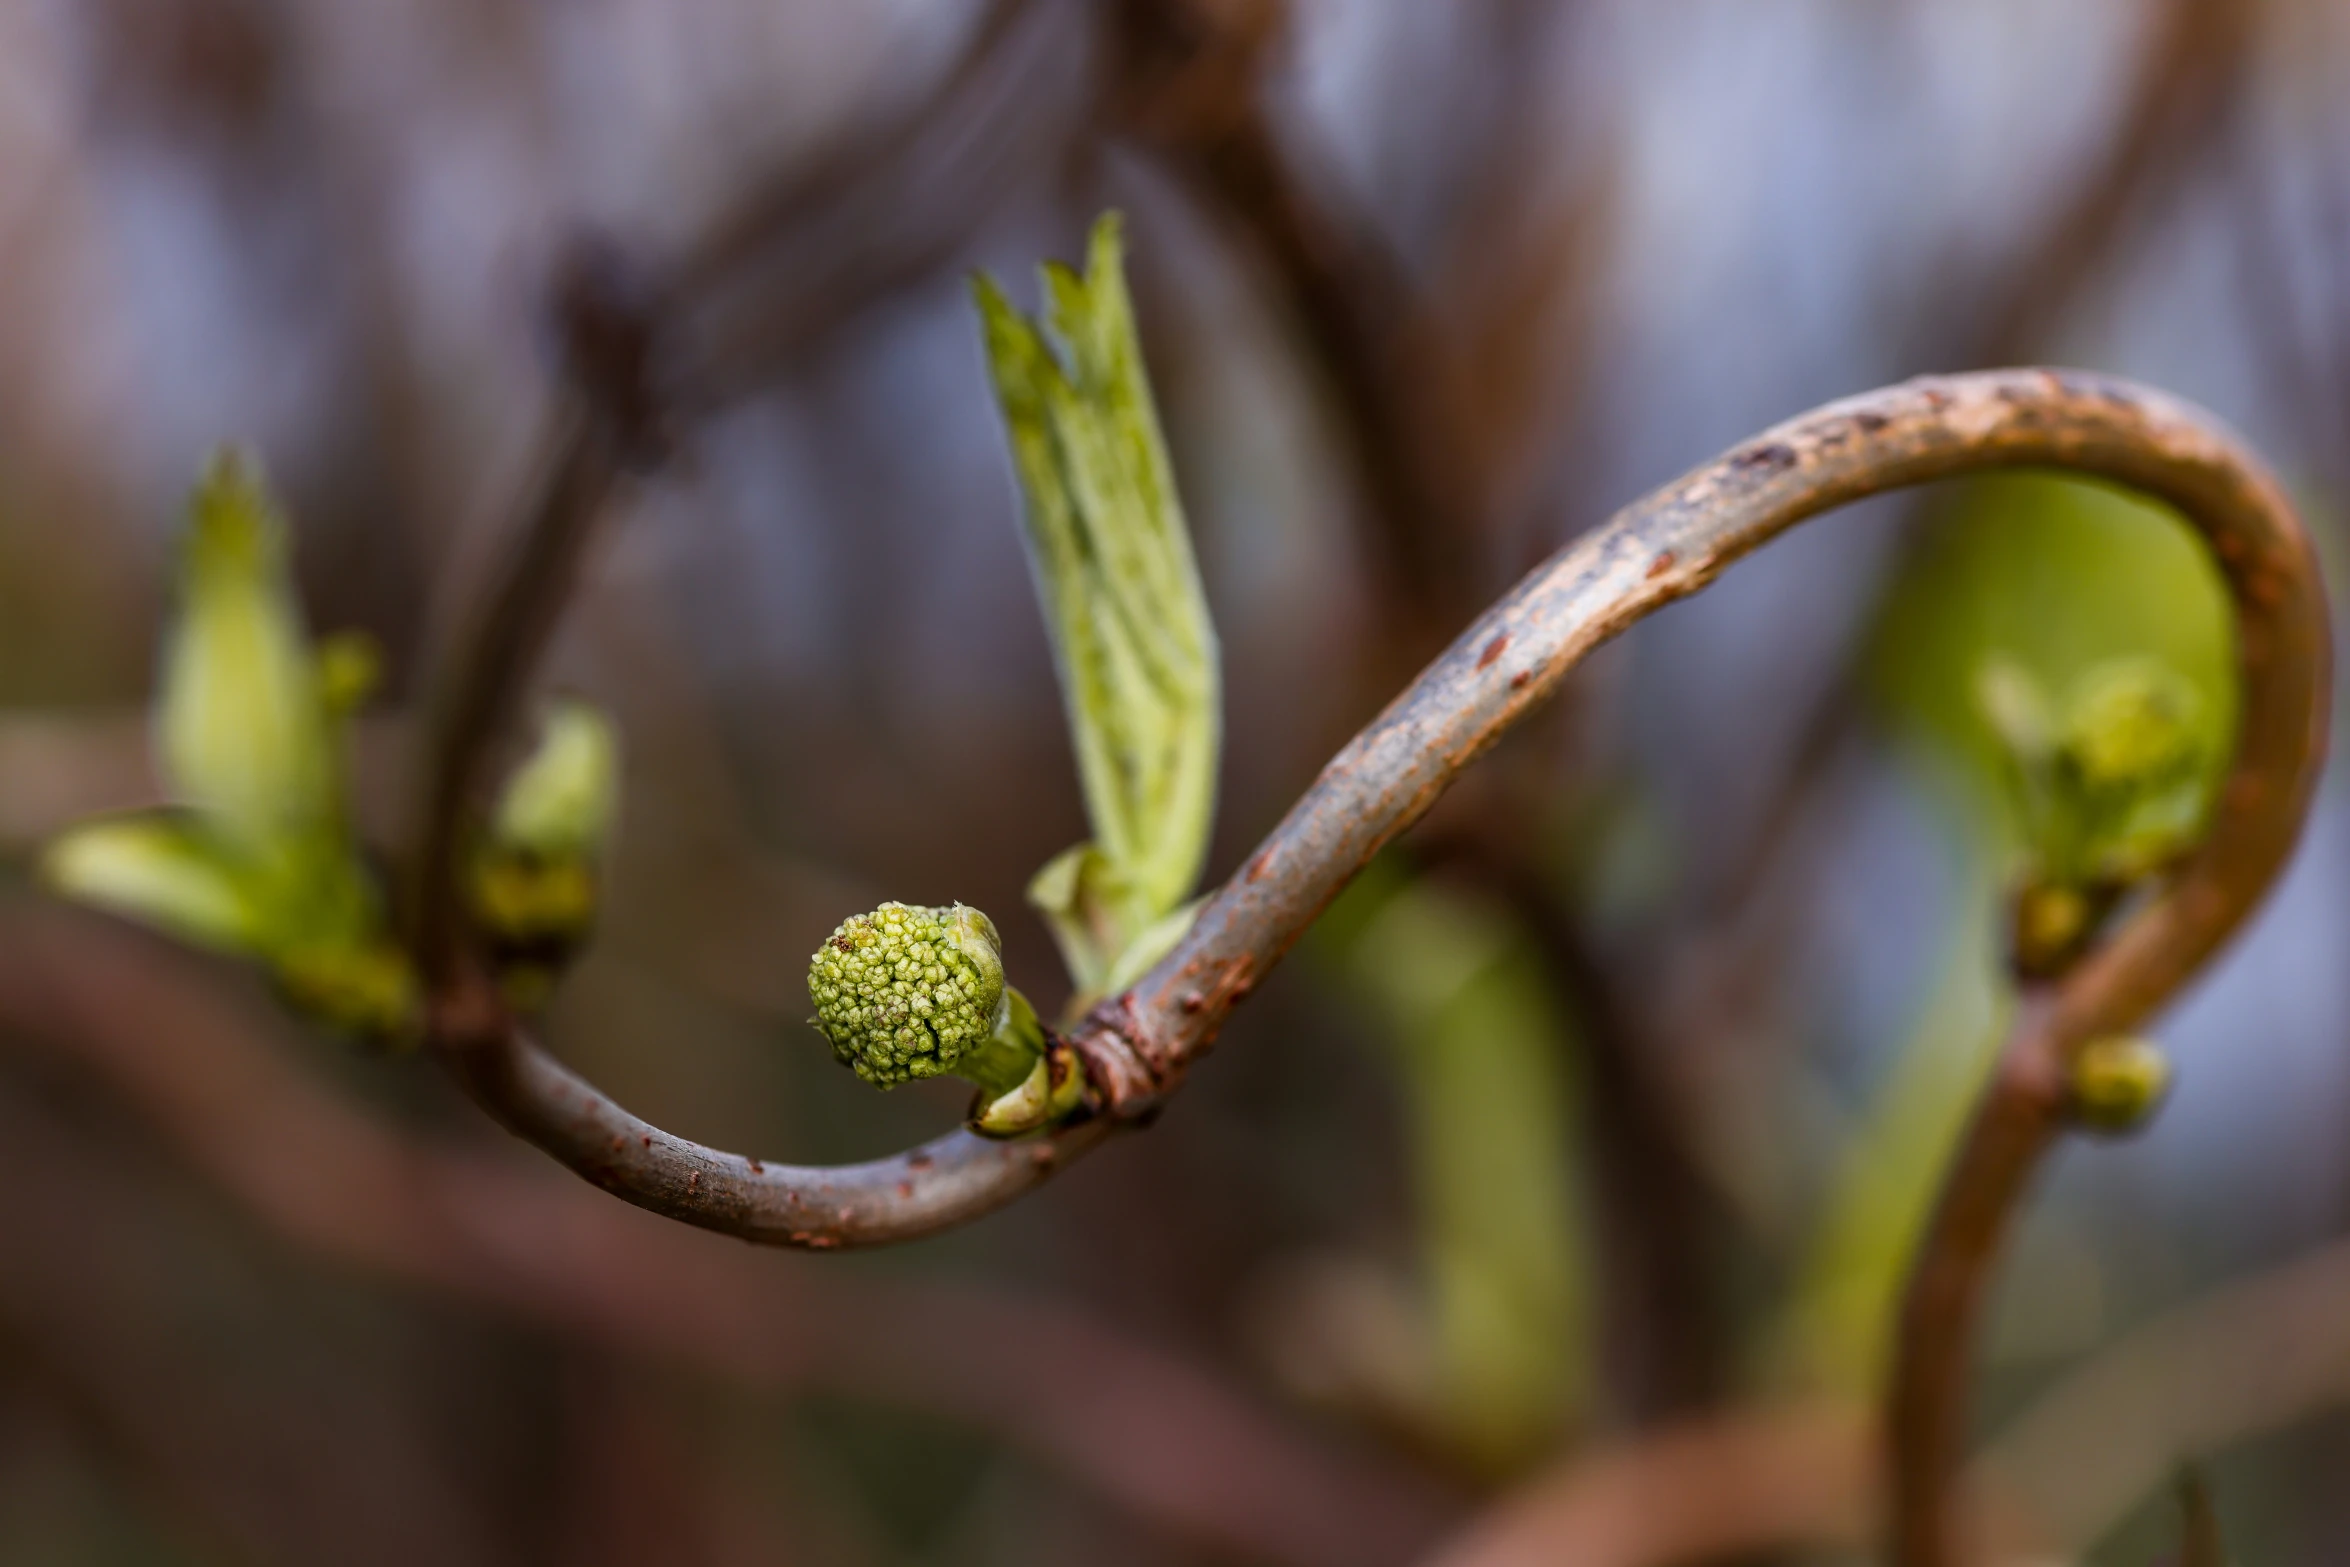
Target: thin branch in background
[[2200, 1543], [1724, 1486], [1194, 71], [2192, 69], [1437, 409], [623, 387], [866, 230], [2243, 1360], [620, 336], [736, 241], [483, 689]]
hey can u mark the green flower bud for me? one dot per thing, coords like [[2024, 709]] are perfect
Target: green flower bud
[[2052, 924], [2136, 764], [244, 735], [561, 801], [2117, 1082], [534, 882], [908, 992], [2106, 796]]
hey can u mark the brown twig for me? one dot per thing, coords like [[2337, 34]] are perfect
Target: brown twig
[[620, 337], [1138, 1046], [514, 621], [2283, 656]]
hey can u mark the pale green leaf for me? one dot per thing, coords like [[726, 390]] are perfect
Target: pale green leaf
[[242, 728], [1121, 594], [561, 800], [1480, 1049]]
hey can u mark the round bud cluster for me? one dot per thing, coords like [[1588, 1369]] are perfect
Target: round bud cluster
[[905, 992]]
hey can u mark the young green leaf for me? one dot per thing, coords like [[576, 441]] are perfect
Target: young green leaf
[[242, 730], [162, 870], [1122, 600], [259, 859], [561, 801]]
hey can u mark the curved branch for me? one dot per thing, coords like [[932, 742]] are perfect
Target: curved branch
[[1138, 1045], [945, 1182], [2283, 662]]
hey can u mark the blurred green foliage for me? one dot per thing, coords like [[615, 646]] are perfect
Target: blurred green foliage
[[2025, 585], [1481, 1057], [2063, 583], [256, 856], [536, 879]]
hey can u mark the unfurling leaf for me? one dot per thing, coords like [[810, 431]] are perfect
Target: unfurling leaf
[[535, 885], [561, 801], [2108, 793], [243, 733], [1122, 600], [258, 858], [2140, 762]]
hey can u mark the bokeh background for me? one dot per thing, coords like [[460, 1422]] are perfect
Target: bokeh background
[[1590, 1132]]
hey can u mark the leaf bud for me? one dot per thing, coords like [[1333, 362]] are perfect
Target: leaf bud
[[2117, 1082]]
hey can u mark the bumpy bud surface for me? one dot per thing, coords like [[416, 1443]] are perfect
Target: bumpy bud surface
[[905, 992]]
